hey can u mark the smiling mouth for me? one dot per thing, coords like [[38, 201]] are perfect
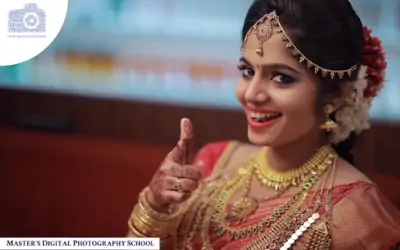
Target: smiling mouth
[[262, 119]]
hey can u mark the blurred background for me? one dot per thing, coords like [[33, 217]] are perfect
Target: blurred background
[[84, 125]]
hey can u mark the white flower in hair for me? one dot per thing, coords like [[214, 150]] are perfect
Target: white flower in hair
[[353, 115]]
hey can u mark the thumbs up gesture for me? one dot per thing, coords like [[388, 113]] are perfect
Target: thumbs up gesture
[[174, 181]]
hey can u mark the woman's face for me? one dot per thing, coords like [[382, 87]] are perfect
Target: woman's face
[[278, 94]]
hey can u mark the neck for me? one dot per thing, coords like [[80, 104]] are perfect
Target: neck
[[296, 153]]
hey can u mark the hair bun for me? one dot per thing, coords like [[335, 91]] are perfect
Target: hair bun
[[375, 60]]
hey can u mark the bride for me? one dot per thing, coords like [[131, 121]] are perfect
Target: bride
[[309, 72]]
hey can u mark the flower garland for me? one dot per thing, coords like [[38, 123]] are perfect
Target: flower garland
[[353, 115]]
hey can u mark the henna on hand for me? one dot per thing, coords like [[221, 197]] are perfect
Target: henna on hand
[[183, 185], [157, 187], [185, 171], [165, 187]]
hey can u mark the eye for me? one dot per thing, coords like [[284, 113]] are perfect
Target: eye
[[281, 78], [245, 71]]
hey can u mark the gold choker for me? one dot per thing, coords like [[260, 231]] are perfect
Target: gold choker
[[282, 180]]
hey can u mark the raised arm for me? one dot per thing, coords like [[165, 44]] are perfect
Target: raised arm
[[158, 210]]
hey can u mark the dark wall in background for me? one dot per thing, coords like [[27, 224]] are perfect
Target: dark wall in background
[[54, 185]]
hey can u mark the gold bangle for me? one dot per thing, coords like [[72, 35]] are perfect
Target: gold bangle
[[147, 226], [154, 214], [145, 221], [140, 233], [141, 215], [134, 230]]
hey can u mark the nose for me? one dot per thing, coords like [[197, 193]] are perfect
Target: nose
[[256, 93]]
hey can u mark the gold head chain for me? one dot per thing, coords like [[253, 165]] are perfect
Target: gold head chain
[[265, 28]]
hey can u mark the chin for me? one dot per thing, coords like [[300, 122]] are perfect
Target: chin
[[264, 128], [260, 139]]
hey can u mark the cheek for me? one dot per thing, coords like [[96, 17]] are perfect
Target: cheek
[[301, 112], [297, 106], [240, 91]]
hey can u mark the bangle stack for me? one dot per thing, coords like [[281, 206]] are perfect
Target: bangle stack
[[146, 222]]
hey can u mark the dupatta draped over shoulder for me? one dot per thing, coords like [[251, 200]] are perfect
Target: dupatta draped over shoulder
[[362, 217]]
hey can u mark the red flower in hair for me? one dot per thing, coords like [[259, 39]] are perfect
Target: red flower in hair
[[375, 60]]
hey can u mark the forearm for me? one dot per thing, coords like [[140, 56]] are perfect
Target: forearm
[[146, 222], [130, 234]]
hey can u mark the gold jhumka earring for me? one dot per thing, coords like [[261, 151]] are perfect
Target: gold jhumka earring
[[265, 28], [329, 124]]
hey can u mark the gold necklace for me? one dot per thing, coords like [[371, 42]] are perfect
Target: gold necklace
[[297, 223], [246, 205], [282, 180], [220, 214]]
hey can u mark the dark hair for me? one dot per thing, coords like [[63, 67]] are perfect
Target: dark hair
[[328, 32]]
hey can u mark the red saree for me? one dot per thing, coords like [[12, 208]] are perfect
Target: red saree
[[362, 217]]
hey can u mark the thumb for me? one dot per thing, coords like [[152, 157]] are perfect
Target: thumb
[[186, 130], [179, 153]]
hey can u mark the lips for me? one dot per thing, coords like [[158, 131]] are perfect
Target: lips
[[259, 118]]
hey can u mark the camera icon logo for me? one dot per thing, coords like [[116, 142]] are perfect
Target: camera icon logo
[[29, 19]]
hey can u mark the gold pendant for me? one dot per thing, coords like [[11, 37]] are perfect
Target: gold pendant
[[319, 239], [242, 209]]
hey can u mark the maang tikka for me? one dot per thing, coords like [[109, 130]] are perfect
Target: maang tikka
[[269, 24]]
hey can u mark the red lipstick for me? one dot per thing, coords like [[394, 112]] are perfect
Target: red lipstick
[[260, 118]]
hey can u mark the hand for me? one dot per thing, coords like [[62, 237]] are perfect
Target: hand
[[174, 181]]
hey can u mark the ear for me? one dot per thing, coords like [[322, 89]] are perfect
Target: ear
[[338, 99]]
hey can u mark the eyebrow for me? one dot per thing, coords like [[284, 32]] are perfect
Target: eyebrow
[[272, 66]]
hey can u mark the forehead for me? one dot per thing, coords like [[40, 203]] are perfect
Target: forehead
[[274, 50]]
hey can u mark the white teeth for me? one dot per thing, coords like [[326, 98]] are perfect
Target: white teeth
[[262, 115]]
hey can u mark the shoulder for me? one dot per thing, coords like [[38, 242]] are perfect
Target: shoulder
[[222, 155], [348, 174], [360, 207], [351, 184], [209, 154], [368, 213]]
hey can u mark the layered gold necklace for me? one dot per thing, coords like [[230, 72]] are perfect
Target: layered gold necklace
[[209, 209], [307, 175], [272, 178]]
